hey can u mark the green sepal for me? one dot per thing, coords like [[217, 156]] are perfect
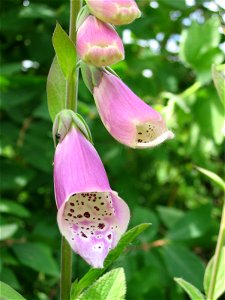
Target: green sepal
[[63, 123], [82, 16], [91, 75]]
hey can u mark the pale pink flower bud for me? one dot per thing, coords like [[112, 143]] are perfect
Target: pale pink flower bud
[[117, 12], [98, 43], [127, 118], [91, 216]]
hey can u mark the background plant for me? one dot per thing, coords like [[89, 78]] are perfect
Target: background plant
[[184, 207]]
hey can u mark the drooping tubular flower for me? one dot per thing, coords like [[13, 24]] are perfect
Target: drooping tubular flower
[[117, 12], [127, 118], [98, 43], [91, 216]]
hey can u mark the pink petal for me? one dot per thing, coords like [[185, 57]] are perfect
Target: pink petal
[[128, 119], [98, 43], [117, 12]]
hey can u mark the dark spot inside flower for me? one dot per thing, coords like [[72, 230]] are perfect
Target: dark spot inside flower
[[139, 132], [79, 216], [139, 140], [99, 247], [82, 202], [66, 220], [86, 214], [99, 219], [71, 203], [102, 203], [109, 236], [101, 225], [71, 210], [99, 197], [96, 207], [83, 235], [69, 214]]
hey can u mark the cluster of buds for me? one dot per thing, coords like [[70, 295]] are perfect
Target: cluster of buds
[[91, 215]]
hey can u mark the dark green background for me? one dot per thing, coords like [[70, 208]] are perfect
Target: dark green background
[[160, 185]]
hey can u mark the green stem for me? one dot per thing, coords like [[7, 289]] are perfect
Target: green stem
[[217, 256], [66, 270], [72, 86], [71, 103]]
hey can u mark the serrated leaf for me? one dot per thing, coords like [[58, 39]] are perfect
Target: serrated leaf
[[193, 225], [220, 277], [219, 81], [111, 286], [93, 274], [7, 230], [190, 289], [37, 257], [56, 89], [65, 51], [212, 176], [8, 293], [10, 207]]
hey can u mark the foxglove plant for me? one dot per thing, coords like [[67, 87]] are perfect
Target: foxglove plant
[[98, 43], [91, 216]]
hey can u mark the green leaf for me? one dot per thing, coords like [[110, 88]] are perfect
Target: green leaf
[[220, 277], [56, 89], [212, 176], [14, 208], [8, 293], [111, 286], [193, 225], [191, 290], [37, 257], [65, 51], [169, 215], [93, 274], [7, 230], [181, 262], [142, 214], [218, 75], [199, 47]]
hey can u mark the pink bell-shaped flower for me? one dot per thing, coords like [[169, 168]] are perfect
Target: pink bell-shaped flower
[[117, 12], [98, 43], [127, 118], [91, 216]]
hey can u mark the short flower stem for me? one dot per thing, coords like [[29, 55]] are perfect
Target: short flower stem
[[219, 246], [71, 103]]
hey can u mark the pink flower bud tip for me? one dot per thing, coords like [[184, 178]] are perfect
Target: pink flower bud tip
[[91, 216], [117, 12], [128, 119], [98, 43]]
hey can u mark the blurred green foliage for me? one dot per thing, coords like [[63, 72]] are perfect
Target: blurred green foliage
[[169, 53]]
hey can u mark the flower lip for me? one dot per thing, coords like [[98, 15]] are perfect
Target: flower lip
[[151, 134], [93, 222]]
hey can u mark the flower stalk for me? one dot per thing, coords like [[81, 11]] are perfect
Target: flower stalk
[[71, 103], [216, 260]]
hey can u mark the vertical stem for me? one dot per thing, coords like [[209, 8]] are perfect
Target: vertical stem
[[71, 103], [71, 88], [66, 270], [217, 256]]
